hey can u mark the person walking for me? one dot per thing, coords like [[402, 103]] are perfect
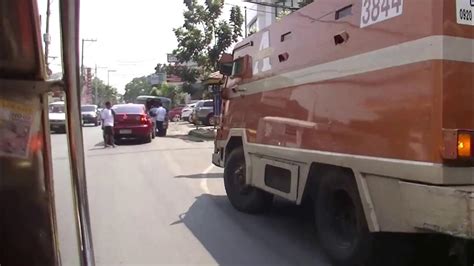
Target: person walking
[[160, 119], [107, 116]]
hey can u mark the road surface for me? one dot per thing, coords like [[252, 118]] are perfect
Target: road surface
[[163, 203]]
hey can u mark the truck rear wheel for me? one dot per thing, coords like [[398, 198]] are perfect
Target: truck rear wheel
[[340, 221], [242, 196]]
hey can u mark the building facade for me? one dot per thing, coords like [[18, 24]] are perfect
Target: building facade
[[264, 12]]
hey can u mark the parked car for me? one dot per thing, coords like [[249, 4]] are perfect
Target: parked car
[[175, 113], [132, 121], [90, 114], [204, 113], [57, 117], [187, 112]]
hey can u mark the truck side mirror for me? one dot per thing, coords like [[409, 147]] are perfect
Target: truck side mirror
[[226, 69], [225, 64]]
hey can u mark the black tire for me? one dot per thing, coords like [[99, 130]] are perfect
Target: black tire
[[209, 118], [340, 220], [149, 138], [243, 197]]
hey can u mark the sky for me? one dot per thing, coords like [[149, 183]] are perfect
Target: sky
[[132, 36]]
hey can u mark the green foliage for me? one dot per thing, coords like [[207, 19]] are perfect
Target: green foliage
[[136, 87], [187, 74], [203, 37], [155, 92], [141, 86], [104, 92]]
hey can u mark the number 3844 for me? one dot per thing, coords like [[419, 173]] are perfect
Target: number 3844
[[374, 11]]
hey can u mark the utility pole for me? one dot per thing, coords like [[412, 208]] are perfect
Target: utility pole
[[47, 37], [271, 5], [96, 95], [245, 12], [82, 56], [108, 75]]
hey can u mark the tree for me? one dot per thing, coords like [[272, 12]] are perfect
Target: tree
[[136, 87], [203, 37], [104, 92], [187, 74]]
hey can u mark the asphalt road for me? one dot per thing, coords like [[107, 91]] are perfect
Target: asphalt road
[[163, 203]]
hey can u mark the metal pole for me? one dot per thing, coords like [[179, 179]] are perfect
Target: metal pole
[[95, 86], [245, 12], [82, 61], [46, 37], [108, 78], [82, 58], [71, 76]]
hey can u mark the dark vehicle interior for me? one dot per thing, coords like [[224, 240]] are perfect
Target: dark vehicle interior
[[28, 230]]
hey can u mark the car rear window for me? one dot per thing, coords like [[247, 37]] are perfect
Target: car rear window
[[88, 108], [57, 108], [129, 109]]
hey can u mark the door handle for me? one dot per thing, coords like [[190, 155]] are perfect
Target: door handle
[[235, 90]]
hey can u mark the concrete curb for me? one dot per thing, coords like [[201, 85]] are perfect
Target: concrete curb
[[203, 133]]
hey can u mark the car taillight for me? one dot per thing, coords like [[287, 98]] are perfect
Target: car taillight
[[144, 119]]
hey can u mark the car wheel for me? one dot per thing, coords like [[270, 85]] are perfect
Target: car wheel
[[149, 137], [340, 220], [209, 120], [176, 118], [242, 196], [96, 123]]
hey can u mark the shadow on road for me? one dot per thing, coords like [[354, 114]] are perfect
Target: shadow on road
[[282, 236], [198, 176], [285, 235], [186, 138], [129, 142]]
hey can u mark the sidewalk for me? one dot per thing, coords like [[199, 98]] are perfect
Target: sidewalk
[[204, 133], [184, 128]]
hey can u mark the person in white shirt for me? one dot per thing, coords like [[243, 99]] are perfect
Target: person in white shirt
[[160, 118], [107, 116]]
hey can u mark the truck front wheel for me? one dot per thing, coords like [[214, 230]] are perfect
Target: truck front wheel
[[340, 220], [242, 196]]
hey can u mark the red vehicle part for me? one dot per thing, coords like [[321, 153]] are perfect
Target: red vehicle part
[[175, 113], [132, 121]]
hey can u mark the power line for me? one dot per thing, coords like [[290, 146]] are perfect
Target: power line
[[249, 8]]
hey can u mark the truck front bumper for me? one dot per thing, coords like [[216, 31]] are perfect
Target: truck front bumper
[[218, 155], [442, 209]]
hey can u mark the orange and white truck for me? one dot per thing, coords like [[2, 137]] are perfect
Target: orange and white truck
[[366, 107]]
